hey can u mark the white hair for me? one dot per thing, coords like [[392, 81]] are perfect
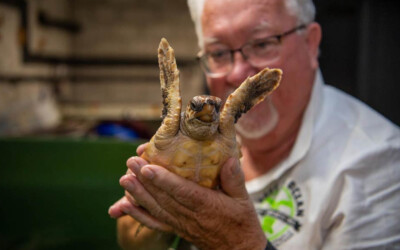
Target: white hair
[[196, 10], [304, 10]]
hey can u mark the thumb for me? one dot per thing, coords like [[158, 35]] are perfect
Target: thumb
[[232, 179]]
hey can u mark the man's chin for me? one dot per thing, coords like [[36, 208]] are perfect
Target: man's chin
[[259, 121]]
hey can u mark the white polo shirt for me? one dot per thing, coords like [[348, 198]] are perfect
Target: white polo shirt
[[340, 186]]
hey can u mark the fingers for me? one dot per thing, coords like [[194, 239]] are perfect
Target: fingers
[[187, 193], [131, 199], [143, 216], [135, 162], [140, 149], [144, 199], [115, 210], [139, 214], [161, 193], [232, 179], [136, 197], [140, 194]]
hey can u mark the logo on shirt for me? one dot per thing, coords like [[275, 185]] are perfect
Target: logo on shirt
[[279, 211]]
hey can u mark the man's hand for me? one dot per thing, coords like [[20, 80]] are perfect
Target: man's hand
[[161, 200]]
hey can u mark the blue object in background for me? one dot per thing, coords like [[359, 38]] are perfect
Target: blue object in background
[[117, 131]]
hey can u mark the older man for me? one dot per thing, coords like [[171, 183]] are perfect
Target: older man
[[320, 170]]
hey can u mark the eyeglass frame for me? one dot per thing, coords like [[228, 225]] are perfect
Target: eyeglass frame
[[279, 37]]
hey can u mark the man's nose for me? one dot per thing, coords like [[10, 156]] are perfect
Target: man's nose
[[241, 69]]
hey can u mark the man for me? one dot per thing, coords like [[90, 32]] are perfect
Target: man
[[320, 170]]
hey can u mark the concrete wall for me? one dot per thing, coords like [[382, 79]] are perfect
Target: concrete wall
[[118, 30], [28, 104], [132, 28]]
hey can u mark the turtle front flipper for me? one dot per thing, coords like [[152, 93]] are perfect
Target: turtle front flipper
[[169, 78], [252, 91]]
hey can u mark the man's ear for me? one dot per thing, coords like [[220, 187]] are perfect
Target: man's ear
[[314, 35]]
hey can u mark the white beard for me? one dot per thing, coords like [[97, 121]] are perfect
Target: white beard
[[259, 121]]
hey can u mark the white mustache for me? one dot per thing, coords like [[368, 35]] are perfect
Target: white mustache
[[256, 125]]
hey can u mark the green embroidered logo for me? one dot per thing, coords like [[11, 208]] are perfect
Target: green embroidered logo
[[275, 204], [278, 210]]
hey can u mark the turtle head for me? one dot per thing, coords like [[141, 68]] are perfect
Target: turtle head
[[201, 118]]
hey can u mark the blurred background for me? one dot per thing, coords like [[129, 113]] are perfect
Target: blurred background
[[79, 90]]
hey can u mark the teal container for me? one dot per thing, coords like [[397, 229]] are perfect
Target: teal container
[[55, 193]]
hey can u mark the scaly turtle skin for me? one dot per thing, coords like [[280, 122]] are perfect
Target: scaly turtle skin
[[197, 142]]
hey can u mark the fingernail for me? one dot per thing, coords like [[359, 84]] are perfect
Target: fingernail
[[147, 172], [129, 160], [133, 165], [109, 212], [126, 183]]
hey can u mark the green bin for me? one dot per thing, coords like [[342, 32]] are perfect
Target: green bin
[[55, 193]]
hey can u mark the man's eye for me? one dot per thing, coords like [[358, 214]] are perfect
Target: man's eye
[[218, 54], [261, 45]]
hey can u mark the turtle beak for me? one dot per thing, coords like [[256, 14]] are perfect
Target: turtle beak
[[207, 114]]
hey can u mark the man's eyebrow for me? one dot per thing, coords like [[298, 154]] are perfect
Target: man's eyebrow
[[210, 40], [262, 26]]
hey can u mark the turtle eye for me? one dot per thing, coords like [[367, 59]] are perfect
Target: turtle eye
[[193, 106]]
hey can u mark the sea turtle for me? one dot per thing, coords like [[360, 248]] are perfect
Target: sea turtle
[[194, 144]]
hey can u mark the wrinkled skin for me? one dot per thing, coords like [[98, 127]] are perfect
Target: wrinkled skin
[[174, 204], [186, 208]]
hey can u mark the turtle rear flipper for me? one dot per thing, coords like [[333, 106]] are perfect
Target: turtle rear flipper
[[169, 79], [252, 91]]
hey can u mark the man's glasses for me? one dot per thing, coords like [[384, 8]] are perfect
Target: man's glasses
[[258, 53]]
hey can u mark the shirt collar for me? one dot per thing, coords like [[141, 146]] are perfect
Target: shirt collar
[[302, 143]]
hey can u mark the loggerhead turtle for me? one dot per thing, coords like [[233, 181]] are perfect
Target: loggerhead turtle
[[194, 144]]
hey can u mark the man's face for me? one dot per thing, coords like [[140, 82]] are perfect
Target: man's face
[[231, 24]]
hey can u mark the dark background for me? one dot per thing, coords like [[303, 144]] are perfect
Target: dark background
[[360, 50]]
